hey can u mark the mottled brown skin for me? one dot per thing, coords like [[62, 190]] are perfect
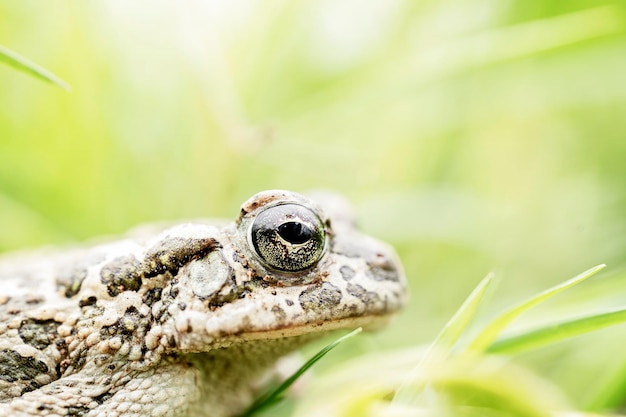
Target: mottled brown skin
[[182, 323]]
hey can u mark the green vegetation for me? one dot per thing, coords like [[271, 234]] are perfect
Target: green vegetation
[[474, 136], [277, 394], [20, 63]]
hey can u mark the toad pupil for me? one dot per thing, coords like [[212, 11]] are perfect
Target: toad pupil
[[295, 232]]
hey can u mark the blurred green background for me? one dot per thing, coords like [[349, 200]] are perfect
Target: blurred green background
[[472, 135]]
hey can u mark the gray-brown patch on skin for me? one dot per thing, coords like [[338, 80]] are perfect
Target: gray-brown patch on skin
[[14, 367], [121, 274], [228, 294], [320, 298], [382, 270], [77, 411], [170, 254], [368, 297], [347, 273], [70, 280], [129, 325], [33, 300], [76, 360], [152, 296], [87, 301], [38, 334], [279, 313]]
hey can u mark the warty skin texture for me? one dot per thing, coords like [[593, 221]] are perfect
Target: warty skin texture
[[184, 322]]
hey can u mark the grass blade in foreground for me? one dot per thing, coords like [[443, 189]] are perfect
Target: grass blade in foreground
[[558, 331], [273, 396], [446, 339], [493, 329], [22, 64], [455, 327]]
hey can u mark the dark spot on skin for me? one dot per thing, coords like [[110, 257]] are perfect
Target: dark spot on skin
[[227, 294], [100, 360], [174, 292], [161, 315], [130, 326], [170, 254], [288, 302], [152, 296], [76, 411], [121, 274], [246, 323], [369, 298], [128, 323], [38, 334], [32, 300], [77, 360], [100, 399], [87, 301], [319, 298], [182, 306], [32, 386], [381, 269], [279, 313], [14, 367], [70, 280], [347, 273], [237, 257]]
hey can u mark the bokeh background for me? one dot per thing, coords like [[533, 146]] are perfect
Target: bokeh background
[[475, 136]]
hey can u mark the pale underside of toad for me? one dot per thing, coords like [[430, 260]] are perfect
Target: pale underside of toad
[[184, 322]]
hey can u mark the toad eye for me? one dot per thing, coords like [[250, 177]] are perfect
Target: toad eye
[[295, 232], [288, 237]]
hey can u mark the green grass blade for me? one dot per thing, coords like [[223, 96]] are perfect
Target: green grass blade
[[22, 64], [558, 331], [446, 339], [275, 395], [487, 336], [454, 328]]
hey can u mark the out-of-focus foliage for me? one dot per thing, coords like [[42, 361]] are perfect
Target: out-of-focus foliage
[[15, 60], [473, 135], [450, 377]]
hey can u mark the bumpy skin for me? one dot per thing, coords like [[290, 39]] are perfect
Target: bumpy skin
[[178, 324]]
